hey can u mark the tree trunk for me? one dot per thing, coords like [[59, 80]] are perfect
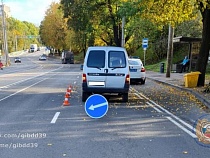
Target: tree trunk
[[204, 49], [117, 31], [115, 26]]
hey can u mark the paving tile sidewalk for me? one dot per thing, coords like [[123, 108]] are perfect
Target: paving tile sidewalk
[[177, 80]]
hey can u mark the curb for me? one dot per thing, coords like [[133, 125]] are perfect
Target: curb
[[197, 95]]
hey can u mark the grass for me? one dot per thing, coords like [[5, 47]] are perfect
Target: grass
[[155, 67]]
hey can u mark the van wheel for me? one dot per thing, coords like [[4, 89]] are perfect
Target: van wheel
[[125, 97], [143, 81], [84, 96]]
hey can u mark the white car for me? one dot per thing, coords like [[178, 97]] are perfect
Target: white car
[[43, 57], [17, 60], [137, 70]]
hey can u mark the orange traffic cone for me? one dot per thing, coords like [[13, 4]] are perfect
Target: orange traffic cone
[[67, 95], [70, 88], [66, 102]]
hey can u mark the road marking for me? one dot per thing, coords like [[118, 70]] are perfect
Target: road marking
[[12, 84], [138, 96], [154, 107], [55, 117], [181, 127], [166, 111], [177, 118], [149, 103], [22, 90]]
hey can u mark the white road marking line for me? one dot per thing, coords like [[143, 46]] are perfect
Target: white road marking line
[[149, 103], [181, 127], [12, 84], [55, 117], [22, 90], [138, 96], [177, 118], [166, 111], [154, 107]]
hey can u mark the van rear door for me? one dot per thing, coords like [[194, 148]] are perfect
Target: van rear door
[[96, 66], [117, 69]]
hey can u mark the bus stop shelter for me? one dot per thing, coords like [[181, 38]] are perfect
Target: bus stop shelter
[[194, 46]]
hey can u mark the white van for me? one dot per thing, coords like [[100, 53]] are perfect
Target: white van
[[106, 70]]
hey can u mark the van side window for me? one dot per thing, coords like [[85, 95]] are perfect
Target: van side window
[[96, 59], [117, 59]]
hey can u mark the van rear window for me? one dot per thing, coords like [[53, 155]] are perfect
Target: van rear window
[[96, 59], [117, 59]]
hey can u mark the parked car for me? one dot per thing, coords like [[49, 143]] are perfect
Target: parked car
[[43, 57], [1, 65], [137, 70], [81, 67], [67, 57], [17, 60], [106, 70]]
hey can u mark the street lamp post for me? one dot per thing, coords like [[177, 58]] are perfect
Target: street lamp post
[[5, 46]]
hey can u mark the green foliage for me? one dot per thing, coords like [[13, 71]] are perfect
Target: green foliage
[[17, 34], [191, 28], [53, 29], [102, 21], [170, 12], [99, 23]]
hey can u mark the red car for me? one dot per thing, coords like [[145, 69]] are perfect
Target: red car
[[1, 65]]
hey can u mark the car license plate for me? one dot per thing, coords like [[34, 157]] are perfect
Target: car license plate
[[96, 83], [133, 70]]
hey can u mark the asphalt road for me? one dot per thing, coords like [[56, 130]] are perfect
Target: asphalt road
[[35, 124]]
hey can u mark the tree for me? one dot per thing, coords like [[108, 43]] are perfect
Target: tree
[[204, 8], [170, 12], [18, 32], [53, 29], [176, 11], [101, 19]]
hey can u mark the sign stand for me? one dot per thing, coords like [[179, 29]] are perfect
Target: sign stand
[[144, 55], [145, 46]]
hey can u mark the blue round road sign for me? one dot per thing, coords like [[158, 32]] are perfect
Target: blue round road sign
[[96, 106]]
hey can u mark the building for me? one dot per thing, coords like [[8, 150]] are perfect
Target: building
[[6, 11]]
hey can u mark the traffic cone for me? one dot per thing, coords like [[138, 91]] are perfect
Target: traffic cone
[[66, 102], [70, 88], [67, 95]]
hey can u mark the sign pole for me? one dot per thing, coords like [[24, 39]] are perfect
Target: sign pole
[[144, 55]]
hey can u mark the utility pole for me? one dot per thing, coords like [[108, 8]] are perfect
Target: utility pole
[[5, 46], [169, 51], [123, 30]]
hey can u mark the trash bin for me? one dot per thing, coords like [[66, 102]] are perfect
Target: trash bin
[[162, 67], [191, 79]]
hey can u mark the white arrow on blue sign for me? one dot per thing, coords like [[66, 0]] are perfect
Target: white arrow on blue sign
[[96, 106]]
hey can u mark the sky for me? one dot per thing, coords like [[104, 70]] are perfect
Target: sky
[[29, 10]]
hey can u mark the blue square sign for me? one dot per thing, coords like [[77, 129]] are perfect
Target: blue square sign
[[145, 43]]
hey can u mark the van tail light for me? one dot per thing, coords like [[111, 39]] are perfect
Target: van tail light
[[127, 79], [84, 78], [143, 69]]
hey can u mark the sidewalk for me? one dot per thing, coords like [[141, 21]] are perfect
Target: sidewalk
[[177, 80]]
